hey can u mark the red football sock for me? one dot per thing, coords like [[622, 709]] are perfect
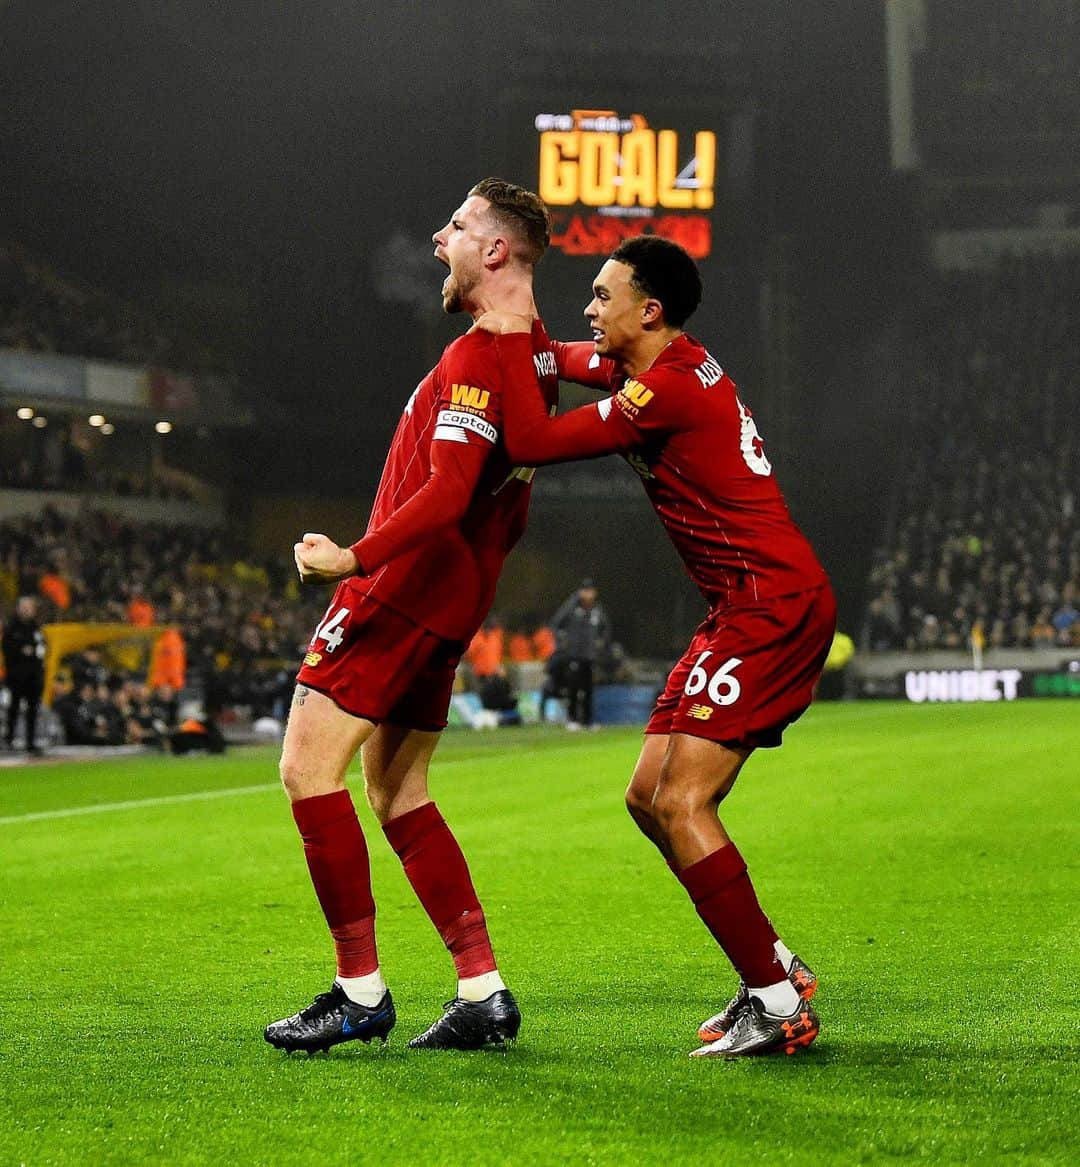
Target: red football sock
[[437, 870], [725, 900], [337, 858]]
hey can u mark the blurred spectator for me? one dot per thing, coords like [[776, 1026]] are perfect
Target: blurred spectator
[[145, 725], [24, 671], [519, 646], [543, 643], [164, 704], [169, 663], [197, 734], [140, 611], [582, 632], [77, 709], [66, 704], [1042, 631], [832, 684], [485, 651], [54, 587], [554, 683], [1064, 622], [88, 668], [114, 712], [497, 696]]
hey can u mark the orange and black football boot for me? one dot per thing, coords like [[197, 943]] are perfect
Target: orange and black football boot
[[801, 976], [757, 1032]]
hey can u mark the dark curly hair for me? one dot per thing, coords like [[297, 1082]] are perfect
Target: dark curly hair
[[662, 271]]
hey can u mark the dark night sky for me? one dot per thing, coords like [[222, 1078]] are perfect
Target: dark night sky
[[268, 149]]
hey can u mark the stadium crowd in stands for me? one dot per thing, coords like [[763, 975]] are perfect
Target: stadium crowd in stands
[[986, 535], [114, 711], [243, 622]]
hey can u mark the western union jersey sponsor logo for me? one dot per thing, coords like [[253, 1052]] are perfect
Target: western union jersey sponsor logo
[[637, 393], [470, 396], [701, 712]]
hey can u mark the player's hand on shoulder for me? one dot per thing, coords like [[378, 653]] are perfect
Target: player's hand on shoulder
[[500, 323], [319, 559]]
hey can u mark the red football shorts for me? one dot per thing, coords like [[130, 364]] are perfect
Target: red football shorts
[[375, 663], [750, 671]]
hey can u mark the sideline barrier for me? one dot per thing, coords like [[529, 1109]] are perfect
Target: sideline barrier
[[970, 685], [612, 705]]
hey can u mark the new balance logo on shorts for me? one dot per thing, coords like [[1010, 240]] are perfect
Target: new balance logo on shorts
[[312, 659], [701, 712]]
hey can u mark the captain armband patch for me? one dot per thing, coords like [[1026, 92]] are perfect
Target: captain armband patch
[[454, 423]]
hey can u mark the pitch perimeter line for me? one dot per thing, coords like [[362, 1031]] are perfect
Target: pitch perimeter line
[[208, 795], [137, 803]]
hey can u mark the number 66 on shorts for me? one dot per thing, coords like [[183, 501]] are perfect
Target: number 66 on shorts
[[749, 670], [722, 686]]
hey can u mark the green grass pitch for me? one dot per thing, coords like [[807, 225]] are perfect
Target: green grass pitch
[[922, 859]]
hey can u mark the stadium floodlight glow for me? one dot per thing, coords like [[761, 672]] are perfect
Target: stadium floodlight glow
[[107, 428], [96, 420], [24, 413], [163, 427], [39, 422]]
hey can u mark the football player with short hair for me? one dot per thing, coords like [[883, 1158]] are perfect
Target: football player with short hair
[[380, 667], [750, 669]]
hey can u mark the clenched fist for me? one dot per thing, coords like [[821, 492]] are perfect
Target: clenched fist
[[319, 559]]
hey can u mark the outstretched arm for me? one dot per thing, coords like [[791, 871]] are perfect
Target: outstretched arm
[[579, 362], [534, 439]]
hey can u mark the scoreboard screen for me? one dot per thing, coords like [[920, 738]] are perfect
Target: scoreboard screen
[[605, 177], [623, 160]]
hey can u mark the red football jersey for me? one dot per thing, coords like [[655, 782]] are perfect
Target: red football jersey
[[442, 575], [682, 427]]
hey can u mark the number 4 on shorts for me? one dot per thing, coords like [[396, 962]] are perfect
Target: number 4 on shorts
[[330, 629], [723, 686]]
